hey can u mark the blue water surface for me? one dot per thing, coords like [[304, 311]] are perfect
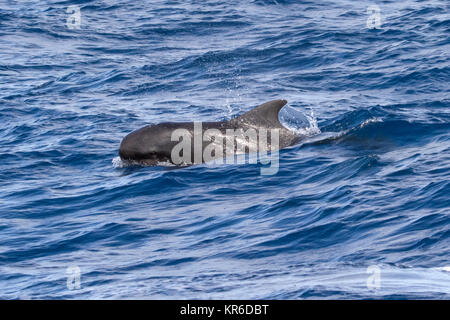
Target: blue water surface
[[363, 197]]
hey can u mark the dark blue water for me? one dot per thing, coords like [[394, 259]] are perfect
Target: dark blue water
[[367, 189]]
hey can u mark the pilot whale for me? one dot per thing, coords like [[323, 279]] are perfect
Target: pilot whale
[[246, 133]]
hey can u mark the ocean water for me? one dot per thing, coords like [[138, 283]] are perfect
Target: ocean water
[[360, 208]]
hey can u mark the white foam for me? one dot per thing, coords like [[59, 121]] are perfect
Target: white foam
[[119, 163], [371, 120], [446, 268]]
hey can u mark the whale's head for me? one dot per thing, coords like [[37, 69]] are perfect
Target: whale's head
[[151, 144]]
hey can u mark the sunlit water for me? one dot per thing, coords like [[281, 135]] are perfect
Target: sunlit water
[[358, 209]]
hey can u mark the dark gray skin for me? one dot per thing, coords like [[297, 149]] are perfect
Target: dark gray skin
[[152, 144]]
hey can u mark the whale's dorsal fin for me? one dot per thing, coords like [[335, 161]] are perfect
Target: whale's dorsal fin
[[265, 115]]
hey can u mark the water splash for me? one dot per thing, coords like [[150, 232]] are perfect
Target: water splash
[[371, 120], [303, 124], [118, 163]]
